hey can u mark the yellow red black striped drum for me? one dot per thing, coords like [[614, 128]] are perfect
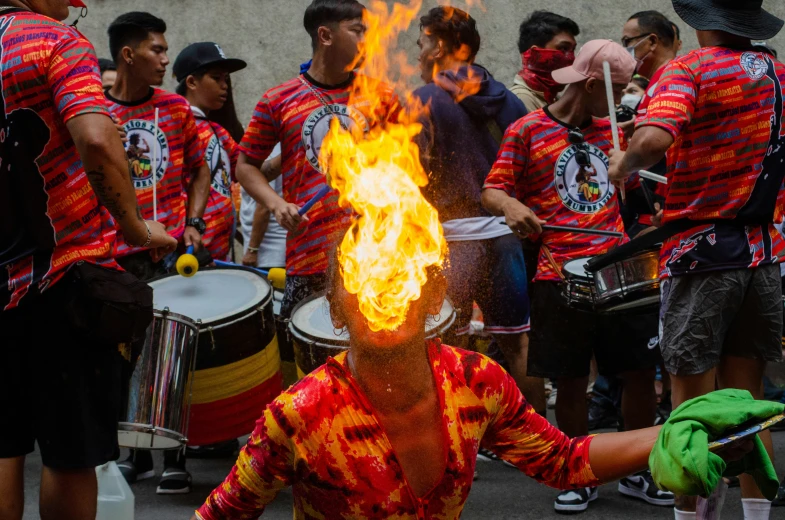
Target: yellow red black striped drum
[[315, 338], [238, 366]]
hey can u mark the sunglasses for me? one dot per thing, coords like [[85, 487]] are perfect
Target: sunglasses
[[582, 157]]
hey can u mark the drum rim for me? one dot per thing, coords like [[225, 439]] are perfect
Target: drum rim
[[303, 336], [205, 324], [168, 315]]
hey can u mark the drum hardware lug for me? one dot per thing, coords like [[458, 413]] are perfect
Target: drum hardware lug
[[212, 338], [261, 313]]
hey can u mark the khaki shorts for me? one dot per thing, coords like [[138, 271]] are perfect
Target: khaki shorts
[[706, 316]]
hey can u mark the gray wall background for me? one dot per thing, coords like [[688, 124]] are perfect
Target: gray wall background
[[268, 34]]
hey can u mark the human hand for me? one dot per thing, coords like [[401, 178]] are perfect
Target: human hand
[[521, 219], [161, 242], [615, 172], [288, 216], [250, 258], [657, 218], [120, 129], [192, 237]]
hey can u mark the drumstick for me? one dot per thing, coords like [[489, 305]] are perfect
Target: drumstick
[[606, 68], [221, 263], [153, 160], [316, 198], [653, 177], [580, 231]]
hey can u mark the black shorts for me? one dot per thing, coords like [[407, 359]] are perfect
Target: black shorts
[[57, 387], [705, 316], [563, 339]]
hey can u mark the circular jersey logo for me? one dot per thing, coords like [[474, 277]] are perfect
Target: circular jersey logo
[[220, 166], [317, 125], [145, 142], [583, 190], [754, 65]]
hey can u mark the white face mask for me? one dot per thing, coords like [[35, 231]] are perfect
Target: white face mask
[[631, 100]]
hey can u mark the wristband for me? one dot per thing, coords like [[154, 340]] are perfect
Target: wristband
[[253, 249], [149, 236]]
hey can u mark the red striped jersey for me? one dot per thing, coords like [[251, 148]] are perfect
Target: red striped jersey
[[175, 147], [294, 116], [49, 216], [724, 109], [538, 166], [220, 154]]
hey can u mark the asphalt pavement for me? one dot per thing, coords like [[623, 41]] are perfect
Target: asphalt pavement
[[501, 492]]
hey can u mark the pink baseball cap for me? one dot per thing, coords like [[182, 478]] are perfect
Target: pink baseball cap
[[588, 64]]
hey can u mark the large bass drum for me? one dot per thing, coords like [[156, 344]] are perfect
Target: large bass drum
[[159, 391], [238, 367], [314, 336]]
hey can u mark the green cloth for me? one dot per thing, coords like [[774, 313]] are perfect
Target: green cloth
[[681, 462]]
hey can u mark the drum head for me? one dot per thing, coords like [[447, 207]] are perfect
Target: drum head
[[311, 319], [577, 267], [212, 294]]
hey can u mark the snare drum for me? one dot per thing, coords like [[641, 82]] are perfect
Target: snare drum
[[314, 336], [160, 387], [238, 367], [628, 284]]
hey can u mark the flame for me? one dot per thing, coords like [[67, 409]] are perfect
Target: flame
[[385, 255]]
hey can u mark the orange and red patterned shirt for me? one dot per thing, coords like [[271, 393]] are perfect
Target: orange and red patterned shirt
[[50, 217], [724, 108], [538, 166], [322, 438], [174, 145], [297, 114], [220, 154]]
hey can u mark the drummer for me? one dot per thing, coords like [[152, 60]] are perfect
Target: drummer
[[562, 178], [347, 449]]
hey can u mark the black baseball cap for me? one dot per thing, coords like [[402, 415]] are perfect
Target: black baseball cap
[[202, 55]]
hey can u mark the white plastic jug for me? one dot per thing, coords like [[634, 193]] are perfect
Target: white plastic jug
[[115, 499]]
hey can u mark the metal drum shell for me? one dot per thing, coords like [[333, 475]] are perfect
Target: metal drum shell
[[578, 290], [629, 284], [311, 351], [160, 387]]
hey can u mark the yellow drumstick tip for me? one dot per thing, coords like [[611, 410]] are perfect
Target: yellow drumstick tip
[[277, 277], [187, 265]]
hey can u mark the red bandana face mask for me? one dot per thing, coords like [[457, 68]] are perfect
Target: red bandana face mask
[[77, 3], [537, 67]]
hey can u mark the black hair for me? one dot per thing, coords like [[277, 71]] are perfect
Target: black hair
[[134, 139], [654, 22], [540, 28], [226, 116], [325, 12], [676, 31], [641, 81], [130, 29], [454, 27], [105, 64]]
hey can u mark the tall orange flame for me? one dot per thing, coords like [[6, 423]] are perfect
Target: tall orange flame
[[385, 254]]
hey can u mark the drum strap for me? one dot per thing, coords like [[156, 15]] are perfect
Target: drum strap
[[553, 263]]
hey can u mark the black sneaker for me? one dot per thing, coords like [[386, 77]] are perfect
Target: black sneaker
[[779, 501], [602, 416], [174, 481], [575, 501], [138, 466], [642, 486], [487, 455]]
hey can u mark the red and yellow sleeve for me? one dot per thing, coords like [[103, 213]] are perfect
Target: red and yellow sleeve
[[673, 105], [510, 162], [524, 438], [261, 136], [74, 79], [264, 467]]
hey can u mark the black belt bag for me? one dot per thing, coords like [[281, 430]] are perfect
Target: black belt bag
[[109, 305]]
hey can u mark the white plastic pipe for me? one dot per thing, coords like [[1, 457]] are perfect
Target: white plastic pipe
[[606, 68]]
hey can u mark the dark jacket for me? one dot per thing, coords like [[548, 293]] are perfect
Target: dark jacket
[[457, 146]]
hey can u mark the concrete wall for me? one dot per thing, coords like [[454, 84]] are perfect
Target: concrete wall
[[269, 34]]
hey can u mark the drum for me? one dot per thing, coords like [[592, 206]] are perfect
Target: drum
[[160, 388], [238, 367], [314, 336], [628, 284]]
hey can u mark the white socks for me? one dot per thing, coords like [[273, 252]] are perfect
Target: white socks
[[756, 508]]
